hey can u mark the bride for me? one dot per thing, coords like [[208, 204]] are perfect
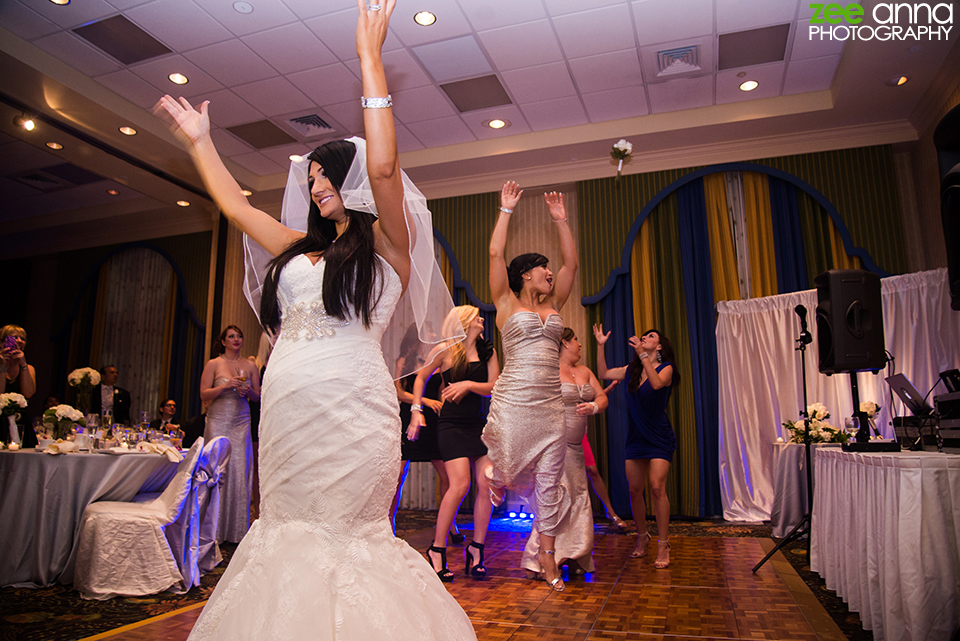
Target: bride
[[321, 562]]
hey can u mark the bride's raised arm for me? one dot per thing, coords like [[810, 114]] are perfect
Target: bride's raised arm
[[383, 163], [194, 127]]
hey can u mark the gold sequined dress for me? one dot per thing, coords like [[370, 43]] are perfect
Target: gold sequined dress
[[524, 434]]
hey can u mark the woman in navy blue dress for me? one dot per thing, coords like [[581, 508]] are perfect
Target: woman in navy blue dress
[[650, 442]]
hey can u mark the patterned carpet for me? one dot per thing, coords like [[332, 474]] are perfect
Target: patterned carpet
[[58, 614]]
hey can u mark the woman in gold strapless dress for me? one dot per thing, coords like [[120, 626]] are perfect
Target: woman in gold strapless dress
[[524, 434]]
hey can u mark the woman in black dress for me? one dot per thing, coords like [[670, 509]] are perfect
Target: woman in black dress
[[469, 370], [18, 378]]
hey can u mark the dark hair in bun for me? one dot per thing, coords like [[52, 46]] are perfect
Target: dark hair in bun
[[520, 266]]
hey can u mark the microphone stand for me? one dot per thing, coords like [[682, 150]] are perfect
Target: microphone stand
[[806, 524]]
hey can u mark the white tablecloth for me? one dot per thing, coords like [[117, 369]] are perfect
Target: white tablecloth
[[886, 537], [790, 485], [42, 498]]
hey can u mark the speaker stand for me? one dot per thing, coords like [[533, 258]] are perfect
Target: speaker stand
[[862, 440]]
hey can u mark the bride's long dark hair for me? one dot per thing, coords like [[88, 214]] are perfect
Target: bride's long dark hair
[[351, 272]]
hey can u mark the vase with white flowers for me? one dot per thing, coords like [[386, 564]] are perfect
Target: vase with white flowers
[[11, 405], [61, 420], [84, 379], [820, 431], [620, 152]]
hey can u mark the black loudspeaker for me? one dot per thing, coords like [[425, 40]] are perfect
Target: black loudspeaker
[[849, 321], [946, 139]]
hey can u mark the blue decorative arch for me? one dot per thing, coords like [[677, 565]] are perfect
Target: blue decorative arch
[[178, 357], [624, 267]]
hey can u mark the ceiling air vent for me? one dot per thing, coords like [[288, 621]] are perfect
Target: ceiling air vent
[[676, 61], [311, 125]]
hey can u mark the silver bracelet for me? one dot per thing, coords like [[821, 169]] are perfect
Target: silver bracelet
[[596, 408], [562, 220], [643, 355], [376, 103], [506, 211], [416, 408]]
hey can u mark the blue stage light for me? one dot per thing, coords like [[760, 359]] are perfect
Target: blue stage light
[[523, 515], [513, 515]]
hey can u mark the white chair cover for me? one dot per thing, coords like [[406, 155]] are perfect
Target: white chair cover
[[207, 479], [123, 547]]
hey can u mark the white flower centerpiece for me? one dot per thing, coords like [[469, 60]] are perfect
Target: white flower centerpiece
[[84, 379], [61, 419], [820, 430], [10, 405], [871, 409], [620, 152]]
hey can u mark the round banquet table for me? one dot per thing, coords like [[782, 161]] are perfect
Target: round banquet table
[[43, 496]]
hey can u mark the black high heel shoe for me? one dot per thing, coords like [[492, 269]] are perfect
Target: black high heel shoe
[[444, 574], [458, 538], [476, 571]]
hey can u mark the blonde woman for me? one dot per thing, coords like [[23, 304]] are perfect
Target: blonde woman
[[469, 370]]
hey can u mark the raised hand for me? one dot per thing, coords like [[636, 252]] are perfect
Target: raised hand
[[191, 123], [510, 195], [372, 25], [599, 335], [555, 204]]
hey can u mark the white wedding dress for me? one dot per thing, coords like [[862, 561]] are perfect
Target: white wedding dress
[[321, 562]]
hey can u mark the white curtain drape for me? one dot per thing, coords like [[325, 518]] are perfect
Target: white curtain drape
[[760, 384]]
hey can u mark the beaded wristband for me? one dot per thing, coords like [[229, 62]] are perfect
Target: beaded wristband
[[506, 211], [376, 103], [416, 408]]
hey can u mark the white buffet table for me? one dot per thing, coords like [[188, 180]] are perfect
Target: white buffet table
[[790, 484], [886, 538], [42, 498]]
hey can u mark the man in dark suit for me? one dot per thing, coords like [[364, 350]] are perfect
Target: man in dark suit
[[107, 395], [166, 422]]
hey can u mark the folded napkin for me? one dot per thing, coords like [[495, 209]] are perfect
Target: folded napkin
[[61, 447], [172, 454]]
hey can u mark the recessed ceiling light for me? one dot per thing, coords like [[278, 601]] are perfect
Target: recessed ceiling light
[[60, 2], [183, 203], [246, 192], [424, 18], [54, 145], [896, 82], [113, 192], [497, 123], [749, 85], [178, 79], [295, 158], [128, 131], [243, 7], [25, 121]]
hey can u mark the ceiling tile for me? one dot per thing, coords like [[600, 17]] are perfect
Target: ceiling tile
[[20, 156], [10, 191], [179, 24], [348, 114], [123, 5], [649, 62], [441, 132], [769, 76], [511, 113], [156, 72], [813, 74], [290, 48], [491, 14], [266, 14], [229, 145], [625, 102], [77, 53], [680, 94], [596, 31], [536, 84], [231, 63], [281, 155], [311, 8], [453, 59], [406, 141], [422, 103], [666, 20], [338, 31], [522, 45], [24, 22], [132, 87], [258, 164], [553, 114], [403, 70], [329, 85], [227, 109], [607, 71], [274, 96], [804, 47], [563, 7], [450, 23], [731, 16], [73, 14], [317, 135]]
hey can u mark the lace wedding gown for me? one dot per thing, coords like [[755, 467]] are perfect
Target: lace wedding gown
[[321, 562]]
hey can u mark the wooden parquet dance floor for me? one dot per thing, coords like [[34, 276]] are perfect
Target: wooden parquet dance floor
[[708, 592]]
